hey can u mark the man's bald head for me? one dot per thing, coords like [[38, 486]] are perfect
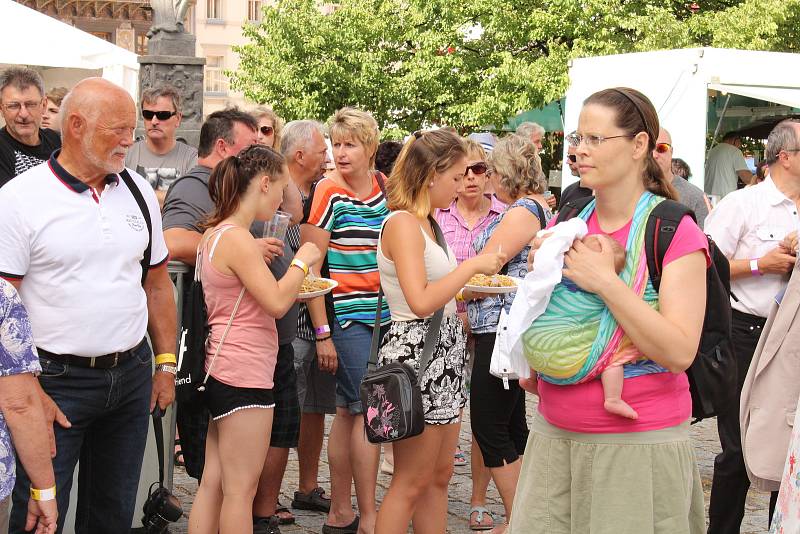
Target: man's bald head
[[92, 97]]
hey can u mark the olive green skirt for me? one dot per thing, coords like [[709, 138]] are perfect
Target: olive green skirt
[[633, 483]]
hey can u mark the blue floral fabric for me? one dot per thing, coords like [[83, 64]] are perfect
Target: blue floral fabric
[[484, 314], [17, 355]]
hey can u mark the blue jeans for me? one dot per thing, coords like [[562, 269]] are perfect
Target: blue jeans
[[108, 409], [352, 348]]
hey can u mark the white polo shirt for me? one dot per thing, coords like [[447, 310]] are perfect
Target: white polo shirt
[[78, 253], [747, 224]]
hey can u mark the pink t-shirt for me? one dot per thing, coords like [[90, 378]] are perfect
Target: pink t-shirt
[[662, 400]]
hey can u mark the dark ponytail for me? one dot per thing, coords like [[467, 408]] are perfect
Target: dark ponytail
[[635, 113], [232, 176]]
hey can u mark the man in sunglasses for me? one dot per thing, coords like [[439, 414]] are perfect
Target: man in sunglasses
[[575, 190], [160, 157], [689, 194]]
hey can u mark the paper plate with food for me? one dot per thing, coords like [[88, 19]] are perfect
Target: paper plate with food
[[494, 284], [316, 286]]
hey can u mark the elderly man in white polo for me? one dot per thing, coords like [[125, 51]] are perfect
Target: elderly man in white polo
[[81, 239]]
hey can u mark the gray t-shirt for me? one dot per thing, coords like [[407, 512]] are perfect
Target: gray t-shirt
[[724, 160], [161, 169], [188, 204], [693, 197]]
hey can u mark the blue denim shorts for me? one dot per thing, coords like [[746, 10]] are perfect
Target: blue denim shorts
[[352, 348]]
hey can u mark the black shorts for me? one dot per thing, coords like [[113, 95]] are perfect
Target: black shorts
[[222, 399], [286, 419]]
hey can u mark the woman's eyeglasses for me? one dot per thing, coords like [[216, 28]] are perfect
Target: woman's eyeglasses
[[592, 141], [663, 148], [266, 130], [160, 115], [477, 168]]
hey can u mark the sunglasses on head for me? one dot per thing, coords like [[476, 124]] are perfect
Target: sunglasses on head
[[477, 168], [161, 115], [663, 148], [266, 130]]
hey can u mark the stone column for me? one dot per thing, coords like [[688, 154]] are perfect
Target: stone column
[[171, 59]]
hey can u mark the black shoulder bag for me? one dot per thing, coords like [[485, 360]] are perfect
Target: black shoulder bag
[[390, 395]]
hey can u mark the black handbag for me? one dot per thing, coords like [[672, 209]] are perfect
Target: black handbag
[[391, 396]]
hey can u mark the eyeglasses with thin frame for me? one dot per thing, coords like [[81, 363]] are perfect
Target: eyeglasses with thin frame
[[663, 148], [477, 168], [592, 141], [16, 107], [266, 130], [148, 114]]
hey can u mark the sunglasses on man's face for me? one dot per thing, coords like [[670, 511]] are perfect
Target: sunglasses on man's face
[[663, 148], [160, 115], [266, 130], [477, 168], [572, 157]]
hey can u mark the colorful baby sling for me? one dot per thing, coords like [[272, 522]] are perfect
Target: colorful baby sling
[[577, 337]]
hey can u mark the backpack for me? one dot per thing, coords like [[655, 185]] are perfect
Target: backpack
[[712, 375]]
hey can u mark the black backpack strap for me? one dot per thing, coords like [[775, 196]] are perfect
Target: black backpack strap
[[661, 227], [572, 209], [542, 226], [137, 195]]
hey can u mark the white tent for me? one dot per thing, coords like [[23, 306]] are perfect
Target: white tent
[[678, 82], [28, 37]]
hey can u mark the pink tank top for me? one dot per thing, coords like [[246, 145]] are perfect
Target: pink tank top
[[250, 350]]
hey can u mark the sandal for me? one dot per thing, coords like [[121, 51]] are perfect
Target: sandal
[[178, 457], [284, 515], [459, 459], [313, 500], [482, 514], [352, 528]]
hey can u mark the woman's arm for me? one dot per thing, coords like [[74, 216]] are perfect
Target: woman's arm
[[516, 230], [670, 336], [326, 352], [403, 243]]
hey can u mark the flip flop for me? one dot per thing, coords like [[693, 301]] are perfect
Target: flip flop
[[478, 524], [459, 459]]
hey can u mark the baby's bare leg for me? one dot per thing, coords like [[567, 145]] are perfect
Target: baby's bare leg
[[613, 379]]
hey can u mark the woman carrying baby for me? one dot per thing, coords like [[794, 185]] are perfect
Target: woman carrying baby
[[497, 407], [587, 469]]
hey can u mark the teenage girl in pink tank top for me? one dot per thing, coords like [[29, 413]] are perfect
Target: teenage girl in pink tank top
[[243, 299]]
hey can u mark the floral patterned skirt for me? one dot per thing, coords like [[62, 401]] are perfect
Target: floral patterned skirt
[[443, 386]]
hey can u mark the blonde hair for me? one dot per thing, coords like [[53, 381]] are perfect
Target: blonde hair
[[423, 155], [360, 125], [259, 112], [56, 95], [474, 148], [516, 159]]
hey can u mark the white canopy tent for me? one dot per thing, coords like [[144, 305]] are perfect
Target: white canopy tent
[[678, 83], [60, 45]]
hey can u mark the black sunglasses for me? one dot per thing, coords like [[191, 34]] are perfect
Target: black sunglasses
[[161, 115], [267, 130], [572, 157], [477, 168]]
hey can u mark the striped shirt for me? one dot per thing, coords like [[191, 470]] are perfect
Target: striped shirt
[[355, 227]]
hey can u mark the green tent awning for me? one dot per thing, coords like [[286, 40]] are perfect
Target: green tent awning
[[549, 117]]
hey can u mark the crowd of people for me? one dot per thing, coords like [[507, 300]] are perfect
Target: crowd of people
[[90, 217]]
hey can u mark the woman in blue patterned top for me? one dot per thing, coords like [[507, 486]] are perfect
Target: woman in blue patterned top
[[22, 417], [497, 409]]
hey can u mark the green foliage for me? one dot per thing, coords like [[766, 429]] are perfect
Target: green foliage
[[468, 63]]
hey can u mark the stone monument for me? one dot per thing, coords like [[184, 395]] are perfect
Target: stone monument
[[171, 59]]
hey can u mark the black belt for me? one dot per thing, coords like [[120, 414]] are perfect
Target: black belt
[[749, 318], [106, 361]]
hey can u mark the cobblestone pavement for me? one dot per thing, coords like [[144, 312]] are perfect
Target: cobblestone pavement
[[704, 435]]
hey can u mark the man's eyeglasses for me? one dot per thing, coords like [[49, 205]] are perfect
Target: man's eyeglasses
[[160, 115], [266, 130], [592, 141], [477, 168], [663, 148], [15, 107]]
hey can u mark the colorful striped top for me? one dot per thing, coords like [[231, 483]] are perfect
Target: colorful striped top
[[355, 227]]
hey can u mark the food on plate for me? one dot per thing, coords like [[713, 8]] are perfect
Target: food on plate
[[497, 280], [312, 284]]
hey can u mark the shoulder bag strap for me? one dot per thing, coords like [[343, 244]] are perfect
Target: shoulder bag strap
[[158, 431], [137, 195], [432, 335]]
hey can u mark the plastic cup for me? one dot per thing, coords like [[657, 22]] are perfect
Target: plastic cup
[[548, 194], [277, 226]]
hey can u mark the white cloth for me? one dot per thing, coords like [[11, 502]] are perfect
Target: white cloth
[[747, 224], [533, 296]]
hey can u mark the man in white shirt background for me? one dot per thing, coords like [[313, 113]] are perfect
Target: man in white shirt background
[[725, 165]]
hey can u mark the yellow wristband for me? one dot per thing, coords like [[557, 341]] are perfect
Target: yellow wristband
[[301, 264], [43, 494], [460, 296], [166, 357]]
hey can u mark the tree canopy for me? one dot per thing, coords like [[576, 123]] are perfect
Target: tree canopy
[[468, 63]]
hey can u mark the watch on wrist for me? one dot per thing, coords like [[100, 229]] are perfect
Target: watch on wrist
[[167, 368]]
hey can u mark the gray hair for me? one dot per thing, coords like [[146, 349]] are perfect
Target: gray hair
[[516, 159], [21, 78], [528, 129], [782, 137], [297, 134], [149, 96]]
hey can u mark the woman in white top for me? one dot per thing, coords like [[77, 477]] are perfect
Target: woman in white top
[[418, 278]]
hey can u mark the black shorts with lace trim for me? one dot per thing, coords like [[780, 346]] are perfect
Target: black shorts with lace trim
[[223, 400]]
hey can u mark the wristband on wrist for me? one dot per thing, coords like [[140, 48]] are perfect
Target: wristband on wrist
[[301, 265], [754, 270], [326, 338], [166, 357], [43, 494], [322, 330], [460, 296]]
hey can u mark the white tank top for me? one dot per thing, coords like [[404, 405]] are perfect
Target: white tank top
[[437, 265]]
